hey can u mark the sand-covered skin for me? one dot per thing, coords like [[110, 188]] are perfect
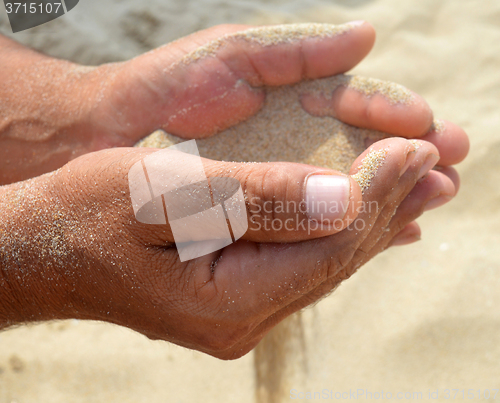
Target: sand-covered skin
[[269, 36], [283, 131], [368, 168]]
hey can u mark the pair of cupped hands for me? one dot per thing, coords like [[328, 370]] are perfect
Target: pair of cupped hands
[[108, 266]]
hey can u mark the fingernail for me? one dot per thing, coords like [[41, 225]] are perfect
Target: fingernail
[[429, 163], [327, 197], [437, 202], [356, 23], [406, 240], [409, 159]]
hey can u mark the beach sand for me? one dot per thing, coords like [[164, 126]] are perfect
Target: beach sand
[[422, 318]]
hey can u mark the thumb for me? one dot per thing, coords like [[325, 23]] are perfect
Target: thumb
[[290, 202], [194, 91], [262, 202]]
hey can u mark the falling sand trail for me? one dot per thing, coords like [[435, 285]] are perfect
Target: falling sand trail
[[283, 131]]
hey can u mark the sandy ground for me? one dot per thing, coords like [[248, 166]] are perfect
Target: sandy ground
[[422, 318]]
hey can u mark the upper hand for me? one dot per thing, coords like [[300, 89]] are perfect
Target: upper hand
[[73, 110]]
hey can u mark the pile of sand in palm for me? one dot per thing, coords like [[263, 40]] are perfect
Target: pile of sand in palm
[[283, 131]]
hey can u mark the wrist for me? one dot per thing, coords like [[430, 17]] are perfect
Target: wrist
[[32, 253], [44, 112]]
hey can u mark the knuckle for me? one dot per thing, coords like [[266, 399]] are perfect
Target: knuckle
[[267, 188], [270, 181]]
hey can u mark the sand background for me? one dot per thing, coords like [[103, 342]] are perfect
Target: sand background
[[418, 318]]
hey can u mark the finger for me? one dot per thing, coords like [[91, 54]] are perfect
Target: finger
[[435, 185], [431, 189], [373, 104], [409, 234], [447, 189], [284, 202], [451, 173], [434, 188], [416, 169], [451, 141], [289, 202], [213, 87]]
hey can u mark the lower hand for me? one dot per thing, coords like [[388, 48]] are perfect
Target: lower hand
[[75, 249]]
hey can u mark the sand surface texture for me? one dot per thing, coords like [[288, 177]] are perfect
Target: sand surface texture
[[283, 131], [416, 319]]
